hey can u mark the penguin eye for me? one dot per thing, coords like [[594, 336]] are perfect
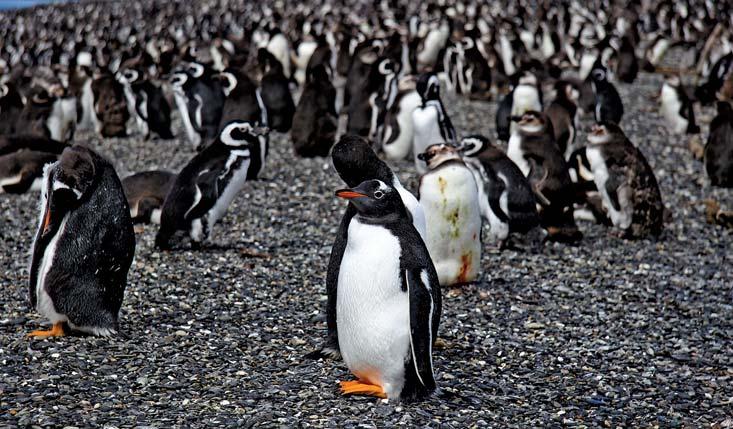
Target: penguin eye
[[378, 194]]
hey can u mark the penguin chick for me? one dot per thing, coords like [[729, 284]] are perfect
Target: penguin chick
[[83, 247], [626, 182], [718, 153], [389, 299], [450, 197], [146, 192]]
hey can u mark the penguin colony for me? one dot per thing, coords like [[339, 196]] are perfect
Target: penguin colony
[[359, 83]]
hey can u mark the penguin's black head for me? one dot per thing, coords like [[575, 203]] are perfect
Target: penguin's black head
[[228, 82], [241, 133], [567, 91], [598, 74], [387, 67], [75, 171], [128, 76], [603, 133], [373, 199], [319, 73], [428, 86], [355, 161], [178, 79], [473, 145]]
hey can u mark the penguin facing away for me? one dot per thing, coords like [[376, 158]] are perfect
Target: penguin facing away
[[718, 153], [356, 162], [315, 121], [146, 192], [430, 120], [449, 195], [22, 170], [677, 108], [80, 283], [626, 182], [275, 92], [206, 186], [389, 298]]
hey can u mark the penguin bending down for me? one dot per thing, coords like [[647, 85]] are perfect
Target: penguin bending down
[[398, 126], [507, 201], [626, 182], [449, 195], [430, 120], [83, 247], [207, 185], [389, 301], [22, 170], [146, 192], [677, 108], [718, 153], [608, 104], [356, 162], [315, 121]]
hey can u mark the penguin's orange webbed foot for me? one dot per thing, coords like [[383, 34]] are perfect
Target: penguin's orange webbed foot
[[56, 331], [357, 387]]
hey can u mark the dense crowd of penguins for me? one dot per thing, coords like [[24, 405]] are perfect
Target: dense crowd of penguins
[[367, 77]]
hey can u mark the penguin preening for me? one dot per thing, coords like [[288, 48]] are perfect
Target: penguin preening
[[677, 108], [430, 120], [83, 247], [146, 192], [356, 162], [608, 104], [206, 186], [718, 153], [626, 182], [315, 121], [22, 170], [388, 303], [449, 196]]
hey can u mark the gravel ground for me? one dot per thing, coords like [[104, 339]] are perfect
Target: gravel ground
[[610, 333]]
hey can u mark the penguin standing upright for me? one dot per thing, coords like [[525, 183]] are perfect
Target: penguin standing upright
[[275, 92], [315, 121], [243, 101], [147, 104], [206, 186], [562, 113], [430, 120], [677, 108], [11, 106], [389, 301], [718, 153], [450, 197], [355, 162], [608, 104], [625, 181], [524, 96], [146, 192], [200, 100], [83, 247], [398, 126]]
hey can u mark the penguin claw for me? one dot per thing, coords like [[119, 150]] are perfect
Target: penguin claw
[[356, 387], [56, 331]]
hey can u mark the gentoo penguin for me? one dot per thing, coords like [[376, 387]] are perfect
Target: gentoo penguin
[[146, 192], [449, 195], [719, 149], [430, 120], [524, 96], [508, 204], [315, 121], [356, 162], [243, 101], [275, 92], [22, 170], [608, 105], [625, 181], [388, 304], [677, 108], [398, 126], [562, 113], [532, 147], [207, 185], [147, 104], [83, 247]]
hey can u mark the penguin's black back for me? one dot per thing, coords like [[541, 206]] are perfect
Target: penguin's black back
[[718, 154]]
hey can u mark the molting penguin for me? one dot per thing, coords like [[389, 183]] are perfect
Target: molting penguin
[[84, 245], [626, 182], [450, 197], [356, 162], [562, 113], [719, 149], [677, 108], [146, 192], [398, 126], [608, 105], [22, 170], [506, 199], [315, 122], [389, 301], [207, 185], [430, 120], [275, 92]]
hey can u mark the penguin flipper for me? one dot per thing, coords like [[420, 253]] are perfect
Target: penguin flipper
[[206, 194], [422, 335]]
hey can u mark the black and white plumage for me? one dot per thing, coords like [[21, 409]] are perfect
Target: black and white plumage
[[315, 121], [625, 181], [677, 107], [207, 185], [22, 170], [11, 106], [200, 100], [398, 126], [275, 92], [146, 192], [147, 104], [608, 105], [718, 153], [524, 96], [243, 101], [389, 301], [83, 247], [430, 120]]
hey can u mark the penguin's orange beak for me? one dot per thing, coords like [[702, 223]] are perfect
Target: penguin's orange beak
[[348, 194]]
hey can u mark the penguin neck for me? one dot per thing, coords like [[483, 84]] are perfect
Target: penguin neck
[[387, 219]]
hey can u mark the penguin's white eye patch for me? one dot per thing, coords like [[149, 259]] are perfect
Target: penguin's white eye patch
[[378, 194]]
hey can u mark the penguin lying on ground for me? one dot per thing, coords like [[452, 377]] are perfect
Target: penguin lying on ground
[[10, 144], [626, 182], [22, 170], [388, 304], [430, 120], [449, 195], [356, 162], [719, 149], [206, 186], [83, 247], [146, 192], [677, 108]]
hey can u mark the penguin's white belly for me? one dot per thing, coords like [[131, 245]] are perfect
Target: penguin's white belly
[[193, 136], [62, 118], [427, 132], [89, 117], [525, 98], [44, 304], [670, 109], [278, 47], [620, 218], [372, 311], [515, 153], [227, 195], [434, 42], [400, 147], [450, 198]]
